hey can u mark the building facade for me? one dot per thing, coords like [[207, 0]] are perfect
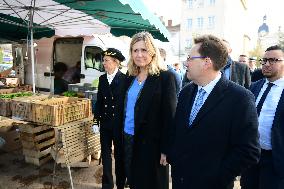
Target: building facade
[[223, 18]]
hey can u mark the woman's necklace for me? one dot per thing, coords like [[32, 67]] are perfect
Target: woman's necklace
[[140, 80]]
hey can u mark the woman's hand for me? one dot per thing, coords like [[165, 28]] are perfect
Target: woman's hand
[[163, 160]]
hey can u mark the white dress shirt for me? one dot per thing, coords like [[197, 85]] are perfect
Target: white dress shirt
[[111, 76], [209, 87], [267, 113]]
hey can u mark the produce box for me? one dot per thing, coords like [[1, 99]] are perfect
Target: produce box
[[21, 88], [5, 102], [22, 107], [62, 110]]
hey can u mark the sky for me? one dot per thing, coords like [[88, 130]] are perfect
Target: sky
[[170, 9]]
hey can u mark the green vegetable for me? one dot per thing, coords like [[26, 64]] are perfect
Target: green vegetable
[[70, 94], [13, 95]]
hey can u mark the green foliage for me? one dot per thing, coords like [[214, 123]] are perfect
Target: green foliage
[[13, 95], [70, 94], [281, 39], [257, 52], [1, 55]]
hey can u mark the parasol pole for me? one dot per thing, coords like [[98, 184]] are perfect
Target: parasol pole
[[32, 48]]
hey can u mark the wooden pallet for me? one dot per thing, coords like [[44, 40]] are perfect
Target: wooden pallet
[[77, 140]]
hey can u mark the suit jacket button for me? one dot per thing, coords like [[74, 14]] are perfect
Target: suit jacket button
[[105, 97], [113, 115], [112, 106], [105, 105], [105, 113], [112, 98]]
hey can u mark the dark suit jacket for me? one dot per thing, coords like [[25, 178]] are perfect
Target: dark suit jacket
[[222, 141], [110, 98], [153, 115], [277, 131], [240, 74], [256, 75]]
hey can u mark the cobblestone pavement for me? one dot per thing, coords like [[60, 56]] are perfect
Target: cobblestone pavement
[[16, 174]]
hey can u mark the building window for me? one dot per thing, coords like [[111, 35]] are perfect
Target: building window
[[189, 24], [190, 4], [200, 3], [211, 2], [211, 22], [188, 43], [200, 22]]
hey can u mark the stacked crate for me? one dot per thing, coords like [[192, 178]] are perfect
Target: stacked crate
[[66, 120], [10, 133], [36, 141]]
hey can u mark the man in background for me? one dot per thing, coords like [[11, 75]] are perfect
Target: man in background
[[269, 94], [243, 59], [236, 72], [178, 79]]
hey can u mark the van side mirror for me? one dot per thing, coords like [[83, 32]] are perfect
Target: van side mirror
[[82, 76], [48, 74]]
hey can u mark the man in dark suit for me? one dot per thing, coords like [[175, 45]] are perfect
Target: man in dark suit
[[269, 93], [235, 71], [216, 133], [109, 111]]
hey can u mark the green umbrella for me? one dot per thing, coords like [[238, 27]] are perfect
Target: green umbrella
[[14, 29], [125, 17]]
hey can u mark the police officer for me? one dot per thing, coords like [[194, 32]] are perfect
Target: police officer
[[109, 111]]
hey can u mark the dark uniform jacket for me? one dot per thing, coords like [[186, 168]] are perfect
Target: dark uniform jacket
[[110, 99]]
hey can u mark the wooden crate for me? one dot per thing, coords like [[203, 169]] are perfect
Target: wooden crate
[[12, 141], [9, 132], [16, 89], [22, 107], [37, 139], [38, 161], [5, 109], [76, 139], [60, 111]]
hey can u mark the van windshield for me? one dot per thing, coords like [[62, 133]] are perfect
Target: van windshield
[[93, 58]]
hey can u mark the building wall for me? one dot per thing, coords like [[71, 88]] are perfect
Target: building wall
[[229, 22]]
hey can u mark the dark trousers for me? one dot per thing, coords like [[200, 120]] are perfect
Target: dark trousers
[[262, 175], [128, 150], [107, 136]]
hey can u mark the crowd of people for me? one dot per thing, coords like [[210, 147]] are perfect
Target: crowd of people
[[213, 127]]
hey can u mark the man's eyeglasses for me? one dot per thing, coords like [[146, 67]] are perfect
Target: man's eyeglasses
[[269, 60], [190, 58]]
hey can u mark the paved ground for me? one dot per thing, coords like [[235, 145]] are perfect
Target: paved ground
[[16, 174]]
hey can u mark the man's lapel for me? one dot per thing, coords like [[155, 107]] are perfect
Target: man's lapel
[[216, 95], [279, 110]]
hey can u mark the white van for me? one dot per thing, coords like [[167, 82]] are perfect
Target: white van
[[70, 50]]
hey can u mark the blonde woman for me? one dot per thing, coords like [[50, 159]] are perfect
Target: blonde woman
[[150, 101]]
